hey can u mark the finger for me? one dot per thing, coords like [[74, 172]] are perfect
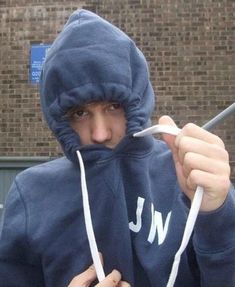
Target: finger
[[84, 279], [197, 161], [212, 198], [112, 280], [194, 145], [212, 184], [195, 131]]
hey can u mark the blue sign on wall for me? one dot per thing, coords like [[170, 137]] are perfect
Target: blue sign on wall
[[38, 54]]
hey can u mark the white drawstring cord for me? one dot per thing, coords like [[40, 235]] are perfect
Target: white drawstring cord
[[88, 223], [195, 206]]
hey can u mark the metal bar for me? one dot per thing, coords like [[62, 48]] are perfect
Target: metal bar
[[220, 117]]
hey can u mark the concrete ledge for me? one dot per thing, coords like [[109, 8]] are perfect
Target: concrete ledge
[[25, 161]]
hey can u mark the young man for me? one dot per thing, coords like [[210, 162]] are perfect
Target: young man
[[95, 93]]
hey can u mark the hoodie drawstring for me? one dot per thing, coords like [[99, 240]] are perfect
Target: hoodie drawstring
[[88, 223], [190, 223]]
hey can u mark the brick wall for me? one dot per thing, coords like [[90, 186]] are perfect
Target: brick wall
[[189, 44]]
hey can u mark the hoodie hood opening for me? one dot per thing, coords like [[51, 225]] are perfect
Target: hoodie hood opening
[[90, 61]]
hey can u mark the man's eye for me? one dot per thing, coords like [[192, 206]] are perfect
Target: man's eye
[[115, 106], [79, 114]]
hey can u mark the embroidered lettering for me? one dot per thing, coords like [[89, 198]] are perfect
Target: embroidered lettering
[[136, 227], [157, 225]]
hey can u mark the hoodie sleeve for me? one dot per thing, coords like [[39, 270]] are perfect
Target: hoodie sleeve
[[16, 265], [214, 242]]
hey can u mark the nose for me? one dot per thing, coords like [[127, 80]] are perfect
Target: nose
[[100, 131]]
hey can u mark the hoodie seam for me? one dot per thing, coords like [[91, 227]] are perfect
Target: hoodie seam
[[25, 212], [112, 187], [144, 93]]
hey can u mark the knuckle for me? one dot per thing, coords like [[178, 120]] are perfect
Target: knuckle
[[228, 171], [189, 127], [112, 281], [221, 151], [190, 186], [185, 171], [183, 144], [225, 155], [222, 187], [193, 176], [224, 169], [188, 159], [219, 141], [114, 278], [225, 181]]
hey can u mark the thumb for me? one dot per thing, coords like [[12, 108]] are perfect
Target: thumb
[[169, 139], [111, 280]]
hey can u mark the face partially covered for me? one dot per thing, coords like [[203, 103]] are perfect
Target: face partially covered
[[99, 123]]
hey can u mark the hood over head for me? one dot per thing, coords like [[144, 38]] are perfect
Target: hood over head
[[91, 60]]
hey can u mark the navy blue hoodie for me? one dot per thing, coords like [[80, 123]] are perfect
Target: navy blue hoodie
[[137, 208]]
